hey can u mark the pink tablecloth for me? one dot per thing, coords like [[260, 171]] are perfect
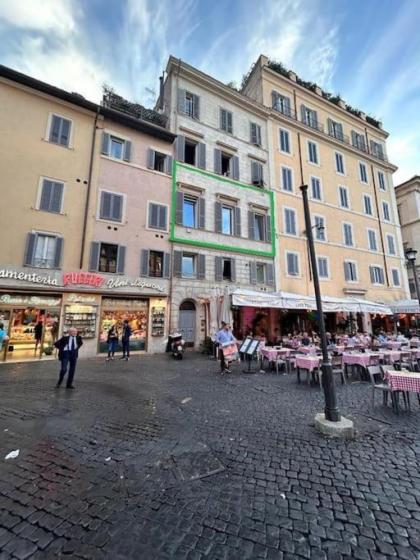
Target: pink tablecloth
[[308, 362], [308, 349], [272, 354], [403, 381], [394, 345], [392, 355], [357, 359], [415, 353]]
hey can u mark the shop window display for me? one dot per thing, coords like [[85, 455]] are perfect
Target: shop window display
[[136, 312]]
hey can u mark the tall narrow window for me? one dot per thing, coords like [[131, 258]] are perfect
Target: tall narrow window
[[343, 197], [323, 267], [255, 134], [284, 141], [292, 264], [373, 245], [350, 271], [391, 244], [316, 188], [381, 181], [363, 173], [51, 196], [348, 235], [385, 211], [319, 228], [312, 152], [339, 163], [367, 203], [396, 277], [60, 129], [290, 221], [226, 121], [286, 179]]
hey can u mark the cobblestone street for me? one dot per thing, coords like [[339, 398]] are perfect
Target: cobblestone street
[[156, 459]]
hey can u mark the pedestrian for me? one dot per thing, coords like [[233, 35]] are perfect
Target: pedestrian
[[68, 352], [125, 340], [3, 336], [38, 334], [224, 336], [112, 342]]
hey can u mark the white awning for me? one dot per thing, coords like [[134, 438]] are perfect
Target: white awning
[[286, 300], [406, 306]]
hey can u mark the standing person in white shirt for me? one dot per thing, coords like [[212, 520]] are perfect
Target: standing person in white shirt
[[68, 352]]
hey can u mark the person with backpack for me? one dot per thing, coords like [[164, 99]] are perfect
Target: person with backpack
[[112, 341]]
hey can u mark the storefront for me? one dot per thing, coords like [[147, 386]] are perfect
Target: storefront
[[115, 311]]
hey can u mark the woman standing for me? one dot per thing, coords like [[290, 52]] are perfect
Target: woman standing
[[112, 342]]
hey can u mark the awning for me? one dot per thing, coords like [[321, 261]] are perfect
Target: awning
[[287, 300], [406, 306]]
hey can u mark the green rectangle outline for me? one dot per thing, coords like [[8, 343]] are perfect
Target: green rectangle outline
[[174, 239]]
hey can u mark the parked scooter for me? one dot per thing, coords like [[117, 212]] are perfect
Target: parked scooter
[[177, 345]]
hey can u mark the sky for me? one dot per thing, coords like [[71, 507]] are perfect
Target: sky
[[366, 50]]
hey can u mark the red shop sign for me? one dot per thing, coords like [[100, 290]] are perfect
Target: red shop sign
[[84, 278]]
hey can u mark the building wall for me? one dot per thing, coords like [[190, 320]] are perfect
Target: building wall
[[408, 202]]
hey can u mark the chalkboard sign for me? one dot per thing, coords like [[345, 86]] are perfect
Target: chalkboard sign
[[244, 345], [252, 348]]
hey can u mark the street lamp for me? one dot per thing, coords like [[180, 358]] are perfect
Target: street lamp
[[331, 410], [411, 255]]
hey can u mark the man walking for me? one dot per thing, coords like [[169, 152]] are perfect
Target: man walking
[[224, 336], [68, 352], [125, 340]]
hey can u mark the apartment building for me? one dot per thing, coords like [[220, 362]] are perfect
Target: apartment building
[[223, 220], [315, 139]]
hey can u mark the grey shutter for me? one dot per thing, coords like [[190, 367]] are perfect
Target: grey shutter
[[286, 107], [251, 228], [105, 210], [201, 268], [179, 218], [105, 143], [57, 197], [217, 161], [259, 135], [274, 99], [167, 166], [116, 208], [196, 107], [162, 217], [223, 116], [218, 269], [268, 229], [330, 127], [230, 122], [177, 271], [253, 133], [218, 217], [55, 129], [254, 172], [235, 168], [270, 274], [47, 187], [94, 256], [121, 259], [201, 213], [237, 221], [150, 158], [30, 249], [353, 138], [166, 265], [180, 148], [144, 262], [372, 276], [233, 270], [314, 119], [252, 272], [181, 100], [339, 132], [58, 251], [153, 215], [303, 114], [127, 150], [201, 155], [65, 132]]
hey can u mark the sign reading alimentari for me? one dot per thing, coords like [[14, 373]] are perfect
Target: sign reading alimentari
[[83, 279]]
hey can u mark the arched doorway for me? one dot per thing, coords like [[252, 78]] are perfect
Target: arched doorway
[[186, 323]]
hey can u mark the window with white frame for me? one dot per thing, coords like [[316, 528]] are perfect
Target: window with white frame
[[348, 235], [363, 172], [339, 163], [51, 196], [309, 116], [381, 181], [372, 243], [391, 244], [255, 134], [385, 211], [343, 197], [281, 103], [189, 103], [284, 140], [43, 250], [350, 271], [116, 147], [395, 277], [287, 179], [319, 223], [188, 265], [358, 141], [290, 221], [158, 216], [323, 267], [292, 263], [316, 188], [226, 121], [367, 204], [377, 149], [313, 152], [60, 129], [111, 206], [335, 129], [377, 275]]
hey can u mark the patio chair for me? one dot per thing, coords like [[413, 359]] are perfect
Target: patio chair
[[376, 375], [337, 367], [396, 394]]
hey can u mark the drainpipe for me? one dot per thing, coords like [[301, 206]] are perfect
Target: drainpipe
[[380, 224], [302, 182], [89, 188]]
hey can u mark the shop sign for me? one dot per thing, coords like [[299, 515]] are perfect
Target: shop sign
[[109, 303], [80, 298], [32, 277], [83, 279], [36, 301]]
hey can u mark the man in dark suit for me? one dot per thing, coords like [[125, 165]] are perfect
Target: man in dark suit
[[68, 352]]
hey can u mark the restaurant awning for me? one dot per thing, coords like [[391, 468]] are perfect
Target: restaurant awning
[[406, 306], [287, 300]]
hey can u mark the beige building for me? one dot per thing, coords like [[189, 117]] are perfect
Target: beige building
[[408, 204]]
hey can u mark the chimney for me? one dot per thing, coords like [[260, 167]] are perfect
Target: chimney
[[161, 92]]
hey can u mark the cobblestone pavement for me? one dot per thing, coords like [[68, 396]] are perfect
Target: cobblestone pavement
[[155, 459]]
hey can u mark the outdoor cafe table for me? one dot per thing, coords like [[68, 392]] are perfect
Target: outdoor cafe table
[[405, 381], [391, 355], [272, 354], [308, 349], [308, 363], [394, 345], [360, 360]]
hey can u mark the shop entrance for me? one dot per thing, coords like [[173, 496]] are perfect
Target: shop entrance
[[115, 312], [187, 321]]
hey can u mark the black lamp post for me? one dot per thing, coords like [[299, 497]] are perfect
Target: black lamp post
[[331, 410], [411, 255]]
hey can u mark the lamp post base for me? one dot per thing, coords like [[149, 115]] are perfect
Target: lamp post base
[[343, 429]]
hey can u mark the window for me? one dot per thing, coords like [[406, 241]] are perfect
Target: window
[[381, 180], [159, 162], [188, 265], [108, 256], [255, 134], [309, 116], [259, 227], [377, 275], [60, 129], [350, 271], [377, 149], [372, 243], [312, 152], [319, 228], [290, 221], [281, 103], [189, 212], [348, 235], [155, 264], [287, 179], [226, 120], [226, 164], [358, 141], [335, 130], [292, 264], [115, 147], [257, 173], [224, 269], [261, 273], [43, 250], [391, 244], [323, 267], [51, 197], [316, 188], [158, 216], [227, 269], [191, 152], [395, 277], [339, 163], [260, 269], [284, 141], [227, 220], [188, 103], [367, 204], [111, 206], [343, 197], [363, 172], [385, 211]]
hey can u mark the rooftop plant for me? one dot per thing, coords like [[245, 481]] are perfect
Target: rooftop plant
[[114, 101]]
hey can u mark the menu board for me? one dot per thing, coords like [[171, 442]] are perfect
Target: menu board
[[252, 348], [244, 345], [82, 317], [158, 321]]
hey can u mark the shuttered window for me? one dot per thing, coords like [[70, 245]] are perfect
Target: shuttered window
[[391, 244], [226, 121], [363, 173], [158, 216], [323, 267], [111, 206], [284, 139], [292, 264], [43, 251], [159, 162], [255, 134], [358, 141], [367, 203], [290, 221], [286, 179], [377, 275], [281, 103], [189, 103], [115, 147], [395, 277], [335, 130], [372, 243], [316, 188], [350, 271], [312, 152], [60, 129], [257, 173], [154, 264], [348, 235], [51, 196]]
